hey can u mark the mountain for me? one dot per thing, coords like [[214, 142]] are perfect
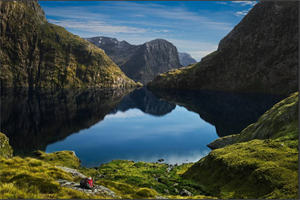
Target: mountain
[[186, 59], [140, 62], [38, 54], [259, 55]]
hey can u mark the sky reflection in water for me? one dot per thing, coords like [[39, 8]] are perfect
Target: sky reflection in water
[[177, 137]]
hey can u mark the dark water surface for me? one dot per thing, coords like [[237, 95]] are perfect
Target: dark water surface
[[104, 125]]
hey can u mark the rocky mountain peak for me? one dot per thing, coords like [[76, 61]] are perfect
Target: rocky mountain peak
[[140, 62], [186, 59]]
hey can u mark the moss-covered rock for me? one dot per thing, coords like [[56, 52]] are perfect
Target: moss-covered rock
[[266, 167], [60, 158], [38, 54], [6, 150], [280, 120]]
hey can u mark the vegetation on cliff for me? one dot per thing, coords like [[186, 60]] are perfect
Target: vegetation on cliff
[[259, 55], [35, 53], [5, 149], [266, 167]]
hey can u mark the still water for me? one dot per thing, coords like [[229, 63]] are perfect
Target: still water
[[101, 126]]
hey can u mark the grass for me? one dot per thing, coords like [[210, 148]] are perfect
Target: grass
[[60, 158], [266, 167], [127, 178], [32, 178]]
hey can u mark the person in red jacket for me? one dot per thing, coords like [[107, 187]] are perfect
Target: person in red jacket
[[90, 182], [87, 183]]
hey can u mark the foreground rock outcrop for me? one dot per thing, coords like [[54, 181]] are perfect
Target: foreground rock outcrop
[[38, 54], [140, 62], [259, 55], [262, 162]]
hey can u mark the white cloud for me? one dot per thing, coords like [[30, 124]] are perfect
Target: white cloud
[[96, 27], [221, 2], [241, 13], [195, 48], [245, 3]]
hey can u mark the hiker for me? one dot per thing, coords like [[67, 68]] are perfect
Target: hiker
[[87, 183]]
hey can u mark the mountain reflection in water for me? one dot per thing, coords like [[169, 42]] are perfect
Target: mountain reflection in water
[[48, 120]]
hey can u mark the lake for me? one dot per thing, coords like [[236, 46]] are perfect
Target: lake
[[141, 125]]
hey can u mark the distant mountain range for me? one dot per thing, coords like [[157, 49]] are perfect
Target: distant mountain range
[[141, 62], [186, 59]]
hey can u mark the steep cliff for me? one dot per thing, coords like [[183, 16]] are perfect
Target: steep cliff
[[186, 59], [140, 62], [259, 55], [35, 53]]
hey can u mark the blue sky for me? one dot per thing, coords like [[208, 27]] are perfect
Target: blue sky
[[195, 27]]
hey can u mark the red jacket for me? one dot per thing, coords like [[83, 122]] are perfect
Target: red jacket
[[90, 182]]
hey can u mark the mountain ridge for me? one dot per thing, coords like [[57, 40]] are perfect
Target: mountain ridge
[[140, 62], [38, 54], [259, 55]]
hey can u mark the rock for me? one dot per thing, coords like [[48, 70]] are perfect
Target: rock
[[259, 55], [186, 59], [96, 190], [166, 191], [140, 62], [176, 190], [185, 192], [74, 172]]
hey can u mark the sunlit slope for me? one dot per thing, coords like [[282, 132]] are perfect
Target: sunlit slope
[[262, 162], [35, 53]]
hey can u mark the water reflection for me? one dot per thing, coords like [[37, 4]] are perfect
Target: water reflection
[[115, 124], [230, 113], [34, 119]]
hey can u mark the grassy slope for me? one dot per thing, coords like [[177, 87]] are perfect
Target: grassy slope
[[265, 168], [128, 178], [33, 178], [280, 120], [36, 53]]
